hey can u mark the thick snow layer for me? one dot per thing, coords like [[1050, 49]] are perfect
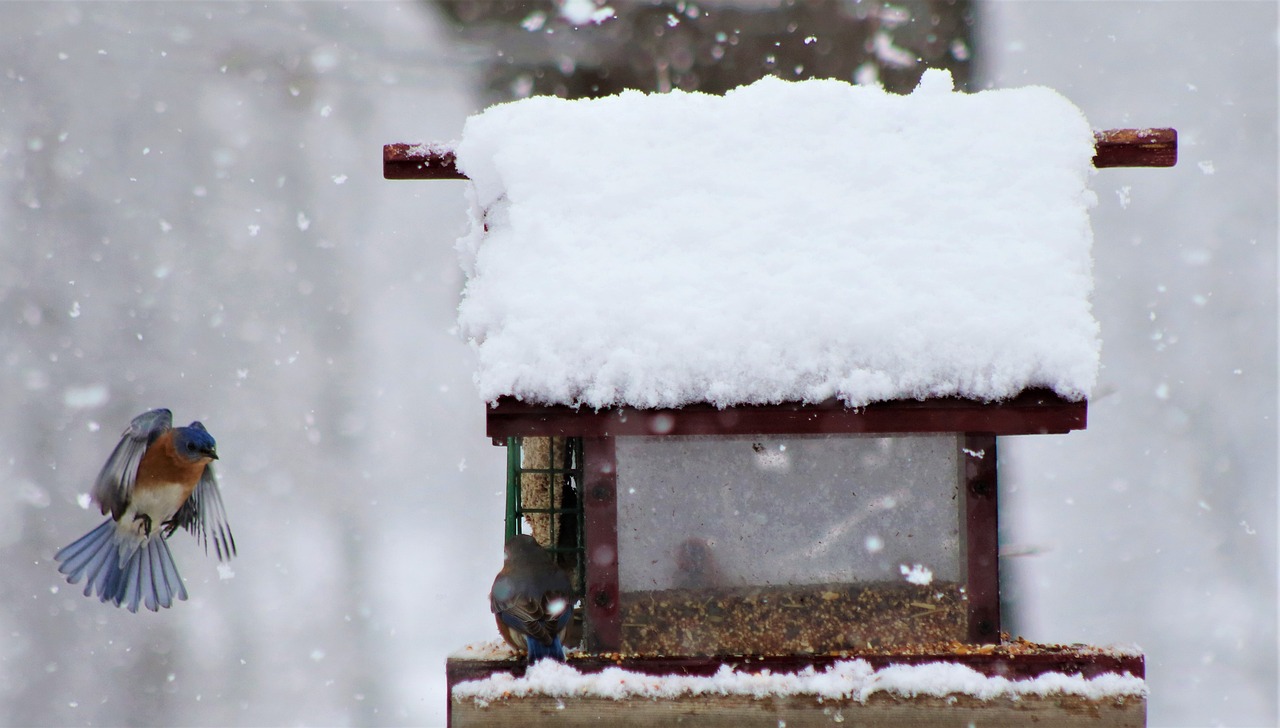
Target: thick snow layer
[[845, 680], [789, 241]]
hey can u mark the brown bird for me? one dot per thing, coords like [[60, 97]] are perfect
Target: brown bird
[[532, 600]]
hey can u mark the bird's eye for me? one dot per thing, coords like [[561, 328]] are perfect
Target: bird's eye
[[191, 446]]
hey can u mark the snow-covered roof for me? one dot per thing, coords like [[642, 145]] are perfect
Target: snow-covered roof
[[789, 241]]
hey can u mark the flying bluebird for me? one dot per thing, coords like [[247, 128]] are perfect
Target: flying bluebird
[[532, 600], [157, 479]]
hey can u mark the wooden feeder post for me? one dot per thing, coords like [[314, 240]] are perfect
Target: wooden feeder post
[[581, 463]]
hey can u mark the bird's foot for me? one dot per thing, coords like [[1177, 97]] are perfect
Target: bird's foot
[[146, 523]]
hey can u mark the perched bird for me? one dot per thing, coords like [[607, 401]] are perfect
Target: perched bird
[[157, 479], [532, 600]]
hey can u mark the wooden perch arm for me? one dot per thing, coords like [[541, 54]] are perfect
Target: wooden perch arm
[[1115, 148], [1135, 148], [419, 161]]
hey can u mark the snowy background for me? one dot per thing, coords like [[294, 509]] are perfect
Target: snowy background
[[193, 216]]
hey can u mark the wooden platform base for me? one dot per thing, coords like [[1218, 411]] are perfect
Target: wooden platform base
[[576, 701], [801, 711]]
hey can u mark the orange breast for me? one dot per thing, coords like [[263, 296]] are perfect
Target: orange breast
[[161, 465]]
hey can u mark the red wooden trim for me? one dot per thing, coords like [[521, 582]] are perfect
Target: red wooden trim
[[1135, 148], [1085, 661], [600, 515], [982, 546], [419, 161], [1031, 412], [1113, 148]]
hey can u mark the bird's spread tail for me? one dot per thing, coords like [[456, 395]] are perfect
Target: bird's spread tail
[[538, 651], [121, 571]]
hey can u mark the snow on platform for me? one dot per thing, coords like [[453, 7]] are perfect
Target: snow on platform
[[846, 680], [787, 242], [491, 650]]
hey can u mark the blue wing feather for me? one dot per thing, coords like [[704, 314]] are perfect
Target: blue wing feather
[[114, 486], [204, 516]]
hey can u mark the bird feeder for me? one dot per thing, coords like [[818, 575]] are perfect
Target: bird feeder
[[759, 524]]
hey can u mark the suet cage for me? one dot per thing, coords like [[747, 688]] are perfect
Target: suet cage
[[544, 497]]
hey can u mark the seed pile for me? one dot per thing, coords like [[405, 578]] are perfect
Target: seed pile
[[784, 620]]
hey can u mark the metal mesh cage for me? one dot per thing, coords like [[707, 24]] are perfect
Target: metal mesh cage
[[544, 485]]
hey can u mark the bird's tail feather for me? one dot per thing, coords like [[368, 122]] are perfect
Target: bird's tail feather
[[538, 651], [85, 552], [121, 571]]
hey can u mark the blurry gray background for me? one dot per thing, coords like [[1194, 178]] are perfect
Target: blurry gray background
[[192, 215]]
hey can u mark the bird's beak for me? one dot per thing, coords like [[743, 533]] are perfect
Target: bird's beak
[[212, 453]]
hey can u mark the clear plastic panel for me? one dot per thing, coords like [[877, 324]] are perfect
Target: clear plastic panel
[[780, 545]]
